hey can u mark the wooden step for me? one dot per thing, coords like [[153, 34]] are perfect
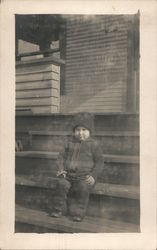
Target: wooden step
[[113, 142], [124, 173], [37, 154], [96, 133], [53, 155], [113, 190], [65, 225]]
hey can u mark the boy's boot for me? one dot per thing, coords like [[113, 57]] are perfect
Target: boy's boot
[[79, 200], [62, 189]]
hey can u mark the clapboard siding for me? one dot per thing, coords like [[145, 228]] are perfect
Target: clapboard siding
[[37, 69], [37, 93], [96, 64], [38, 87], [37, 101], [37, 77]]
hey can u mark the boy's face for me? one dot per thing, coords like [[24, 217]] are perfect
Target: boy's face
[[81, 133]]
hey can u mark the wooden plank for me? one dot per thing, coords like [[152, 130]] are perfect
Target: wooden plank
[[102, 65], [102, 86], [110, 100], [93, 34], [105, 48], [77, 104], [37, 93], [97, 40], [94, 38], [81, 32], [102, 75], [93, 30], [53, 155], [115, 108], [37, 154], [98, 58], [40, 52], [96, 52], [110, 145], [77, 20], [108, 94], [89, 224], [109, 67], [96, 133], [106, 105], [37, 85], [40, 110], [37, 69], [115, 190], [103, 93], [45, 101], [41, 61], [99, 23], [113, 173], [119, 86], [121, 158], [37, 77]]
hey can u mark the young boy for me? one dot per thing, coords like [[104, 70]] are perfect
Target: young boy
[[79, 164]]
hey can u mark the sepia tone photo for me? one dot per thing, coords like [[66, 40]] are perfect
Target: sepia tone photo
[[77, 123]]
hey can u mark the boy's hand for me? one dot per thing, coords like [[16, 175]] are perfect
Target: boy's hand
[[61, 173], [90, 180]]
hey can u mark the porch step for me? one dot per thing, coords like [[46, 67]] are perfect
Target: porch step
[[53, 155], [40, 219], [113, 190]]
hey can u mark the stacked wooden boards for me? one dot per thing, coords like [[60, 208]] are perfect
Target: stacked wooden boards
[[38, 86]]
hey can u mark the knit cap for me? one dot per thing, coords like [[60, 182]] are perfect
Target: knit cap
[[84, 119]]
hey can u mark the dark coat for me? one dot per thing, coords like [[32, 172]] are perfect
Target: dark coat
[[81, 158]]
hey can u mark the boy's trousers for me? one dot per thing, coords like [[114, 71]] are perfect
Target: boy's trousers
[[74, 193]]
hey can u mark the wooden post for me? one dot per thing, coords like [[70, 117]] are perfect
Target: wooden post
[[62, 45], [45, 45], [133, 65]]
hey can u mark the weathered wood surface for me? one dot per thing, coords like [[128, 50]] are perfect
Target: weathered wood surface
[[41, 52], [64, 224], [37, 110], [122, 191], [47, 84], [44, 101], [96, 60], [64, 122], [116, 208], [38, 86], [115, 171], [37, 77], [41, 61], [37, 93], [23, 70], [96, 133], [53, 155], [110, 144]]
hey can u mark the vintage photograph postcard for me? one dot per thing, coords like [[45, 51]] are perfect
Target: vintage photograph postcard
[[78, 85]]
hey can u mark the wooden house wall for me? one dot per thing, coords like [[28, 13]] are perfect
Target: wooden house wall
[[96, 64]]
